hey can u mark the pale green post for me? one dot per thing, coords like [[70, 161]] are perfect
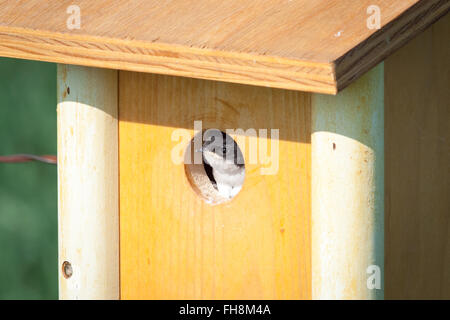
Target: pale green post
[[348, 191]]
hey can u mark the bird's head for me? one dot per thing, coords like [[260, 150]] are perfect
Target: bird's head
[[221, 149]]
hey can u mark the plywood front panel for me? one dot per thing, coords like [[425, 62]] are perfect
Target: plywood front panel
[[417, 114], [176, 246]]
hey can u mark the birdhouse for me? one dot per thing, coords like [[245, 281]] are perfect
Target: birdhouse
[[247, 149]]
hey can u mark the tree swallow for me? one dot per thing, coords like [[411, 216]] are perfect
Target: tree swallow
[[225, 158]]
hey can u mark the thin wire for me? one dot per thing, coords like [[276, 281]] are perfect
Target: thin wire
[[18, 158]]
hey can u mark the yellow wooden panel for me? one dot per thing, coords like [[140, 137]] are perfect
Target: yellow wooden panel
[[173, 244], [417, 115]]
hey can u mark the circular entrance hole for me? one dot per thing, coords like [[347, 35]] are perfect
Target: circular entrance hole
[[214, 166]]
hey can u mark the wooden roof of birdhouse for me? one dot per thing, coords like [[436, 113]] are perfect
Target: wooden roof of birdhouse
[[309, 45]]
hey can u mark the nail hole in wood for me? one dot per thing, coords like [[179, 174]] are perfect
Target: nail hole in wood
[[67, 269]]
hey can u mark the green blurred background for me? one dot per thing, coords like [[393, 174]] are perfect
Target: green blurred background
[[28, 191]]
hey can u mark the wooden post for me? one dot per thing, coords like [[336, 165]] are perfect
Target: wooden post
[[348, 190], [88, 183]]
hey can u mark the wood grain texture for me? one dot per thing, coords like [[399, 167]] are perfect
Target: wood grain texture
[[173, 244], [347, 189], [88, 178], [417, 115], [308, 45]]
